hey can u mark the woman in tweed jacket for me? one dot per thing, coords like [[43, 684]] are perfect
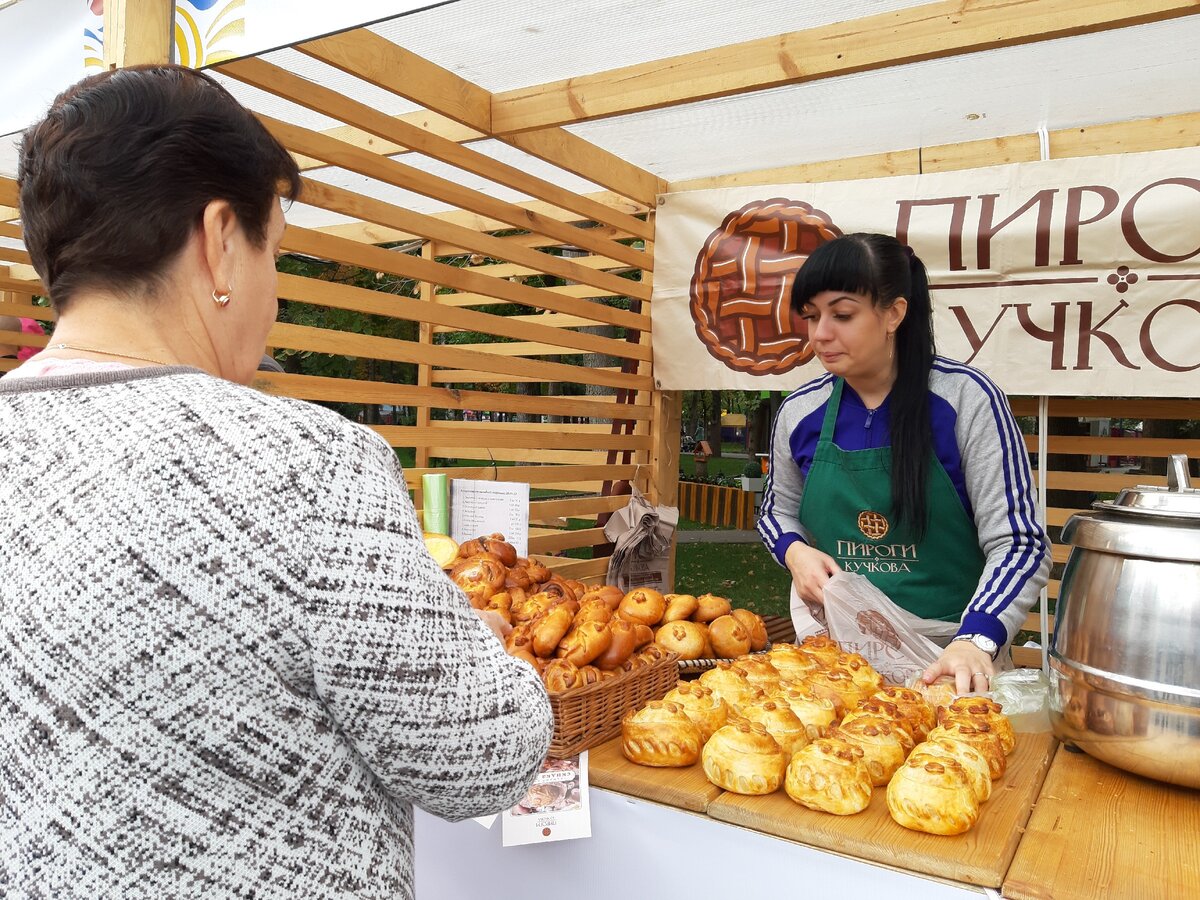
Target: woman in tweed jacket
[[228, 667]]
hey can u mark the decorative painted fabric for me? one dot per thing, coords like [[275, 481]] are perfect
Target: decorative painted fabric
[[228, 667]]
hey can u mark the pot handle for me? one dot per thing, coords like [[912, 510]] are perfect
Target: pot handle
[[1178, 478]]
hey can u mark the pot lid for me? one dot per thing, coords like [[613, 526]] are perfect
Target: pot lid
[[1178, 500]]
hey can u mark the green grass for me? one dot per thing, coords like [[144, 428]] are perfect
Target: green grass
[[717, 465], [743, 573]]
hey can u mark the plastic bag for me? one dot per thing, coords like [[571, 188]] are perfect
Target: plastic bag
[[897, 644], [1025, 696]]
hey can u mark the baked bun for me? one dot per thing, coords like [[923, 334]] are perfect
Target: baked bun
[[817, 713], [624, 642], [837, 685], [593, 610], [984, 710], [517, 576], [744, 759], [480, 569], [533, 606], [526, 655], [755, 627], [589, 674], [660, 734], [560, 675], [644, 635], [708, 711], [709, 607], [521, 637], [679, 607], [688, 639], [729, 638], [980, 736], [792, 662], [729, 683], [443, 549], [829, 775], [478, 594], [781, 723], [882, 746], [611, 596], [643, 605], [971, 760], [537, 571], [913, 707], [759, 672], [940, 693], [874, 708], [501, 604], [493, 544], [557, 586], [933, 795], [867, 679], [549, 628], [822, 647], [583, 644]]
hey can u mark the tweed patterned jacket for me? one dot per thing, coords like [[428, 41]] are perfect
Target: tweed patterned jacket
[[228, 667]]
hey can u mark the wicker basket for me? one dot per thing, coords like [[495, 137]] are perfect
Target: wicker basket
[[587, 716]]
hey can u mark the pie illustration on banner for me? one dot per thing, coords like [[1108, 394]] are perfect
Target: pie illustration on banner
[[741, 290], [872, 524]]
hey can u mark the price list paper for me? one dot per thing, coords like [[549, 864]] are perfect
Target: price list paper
[[487, 507]]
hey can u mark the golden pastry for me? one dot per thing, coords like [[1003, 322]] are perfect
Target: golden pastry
[[729, 638], [501, 604], [589, 674], [829, 775], [583, 644], [560, 675], [660, 734], [755, 626], [688, 639], [481, 569], [987, 711], [622, 646], [971, 760], [729, 683], [792, 662], [744, 759], [839, 686], [609, 595], [701, 705], [709, 607], [913, 707], [537, 572], [881, 743], [867, 679], [533, 606], [593, 610], [443, 549], [478, 594], [822, 647], [781, 723], [933, 795], [643, 635], [493, 544], [874, 708], [521, 637], [980, 736], [556, 586], [759, 672], [817, 713], [577, 586], [644, 605], [679, 606], [549, 628], [518, 576]]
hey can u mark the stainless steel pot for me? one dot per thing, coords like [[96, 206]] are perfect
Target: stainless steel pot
[[1125, 656]]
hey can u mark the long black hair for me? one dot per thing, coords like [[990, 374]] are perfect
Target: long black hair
[[882, 268]]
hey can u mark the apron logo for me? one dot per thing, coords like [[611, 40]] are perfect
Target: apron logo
[[872, 524]]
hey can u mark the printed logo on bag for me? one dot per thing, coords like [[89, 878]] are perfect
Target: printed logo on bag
[[872, 524], [873, 623], [741, 289]]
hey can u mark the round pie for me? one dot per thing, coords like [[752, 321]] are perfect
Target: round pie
[[744, 759], [829, 775]]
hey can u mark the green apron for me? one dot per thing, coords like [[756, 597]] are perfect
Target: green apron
[[845, 508]]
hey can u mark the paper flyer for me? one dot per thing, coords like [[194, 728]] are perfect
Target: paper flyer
[[479, 508], [556, 807]]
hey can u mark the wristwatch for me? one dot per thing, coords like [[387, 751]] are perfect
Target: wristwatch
[[982, 641]]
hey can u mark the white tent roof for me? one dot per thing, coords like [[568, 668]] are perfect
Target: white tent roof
[[1130, 73]]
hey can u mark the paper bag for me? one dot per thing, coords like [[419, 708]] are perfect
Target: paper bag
[[642, 536], [897, 644]]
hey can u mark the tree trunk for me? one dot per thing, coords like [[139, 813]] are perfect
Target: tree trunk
[[714, 422]]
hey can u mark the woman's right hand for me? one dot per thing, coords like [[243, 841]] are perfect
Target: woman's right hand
[[810, 570]]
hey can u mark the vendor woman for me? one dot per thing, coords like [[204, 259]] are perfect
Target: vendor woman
[[902, 465]]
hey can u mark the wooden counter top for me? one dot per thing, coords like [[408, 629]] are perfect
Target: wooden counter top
[[1099, 832]]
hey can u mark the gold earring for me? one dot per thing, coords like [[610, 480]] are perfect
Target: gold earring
[[222, 299]]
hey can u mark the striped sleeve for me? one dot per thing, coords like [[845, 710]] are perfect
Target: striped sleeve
[[1000, 485]]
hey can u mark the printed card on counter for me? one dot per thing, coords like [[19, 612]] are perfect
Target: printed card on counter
[[555, 808], [489, 507]]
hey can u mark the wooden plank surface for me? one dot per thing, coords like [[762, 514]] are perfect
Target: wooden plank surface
[[1101, 832], [684, 788], [981, 856]]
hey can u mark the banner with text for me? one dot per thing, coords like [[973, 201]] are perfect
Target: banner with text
[[1064, 277]]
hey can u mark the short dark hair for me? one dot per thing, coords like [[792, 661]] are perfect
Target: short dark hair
[[883, 269], [116, 177]]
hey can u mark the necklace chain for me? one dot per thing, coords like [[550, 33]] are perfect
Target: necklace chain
[[80, 349]]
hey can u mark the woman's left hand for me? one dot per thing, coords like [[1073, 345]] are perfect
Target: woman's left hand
[[970, 667]]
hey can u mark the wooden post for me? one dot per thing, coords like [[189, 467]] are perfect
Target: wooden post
[[424, 373], [138, 32]]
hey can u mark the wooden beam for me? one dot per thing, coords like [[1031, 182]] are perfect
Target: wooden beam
[[929, 31], [378, 61], [323, 246], [137, 32], [282, 83], [483, 436], [9, 195], [1135, 136]]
